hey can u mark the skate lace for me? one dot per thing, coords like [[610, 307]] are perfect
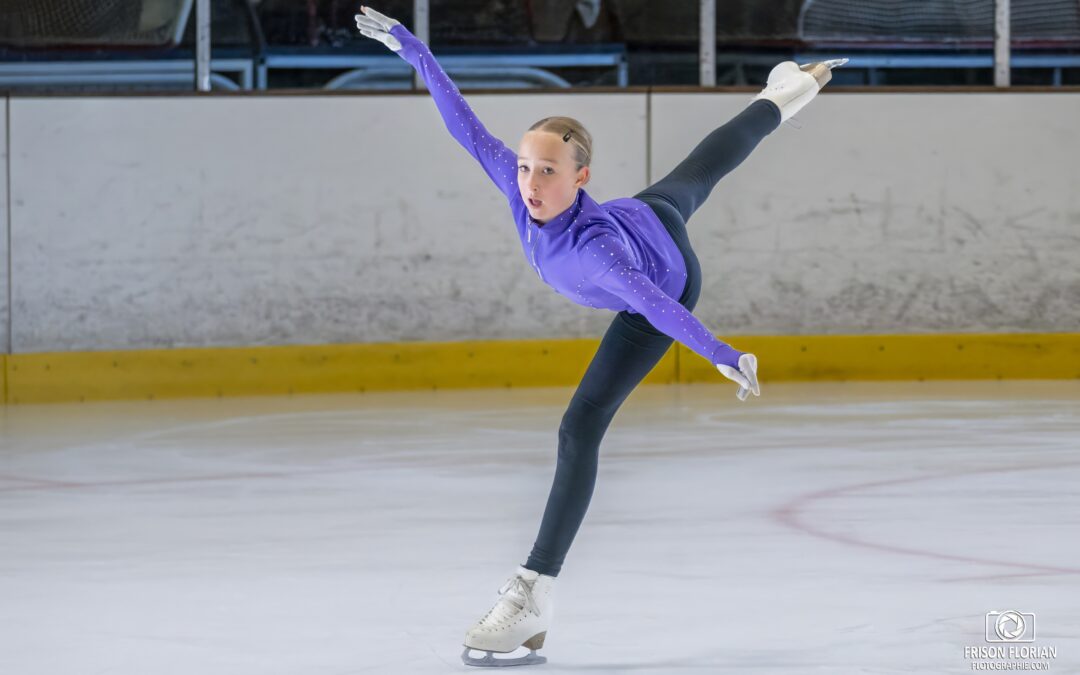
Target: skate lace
[[516, 595]]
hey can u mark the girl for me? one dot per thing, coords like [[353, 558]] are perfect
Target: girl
[[631, 256]]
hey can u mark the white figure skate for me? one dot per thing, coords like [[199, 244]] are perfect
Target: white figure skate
[[791, 86], [520, 618]]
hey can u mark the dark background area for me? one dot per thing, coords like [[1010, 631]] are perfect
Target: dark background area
[[660, 38]]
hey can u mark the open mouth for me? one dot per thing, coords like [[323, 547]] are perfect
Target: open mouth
[[534, 203]]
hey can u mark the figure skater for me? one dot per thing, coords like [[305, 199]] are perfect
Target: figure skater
[[628, 255]]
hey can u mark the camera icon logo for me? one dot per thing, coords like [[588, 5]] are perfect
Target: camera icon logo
[[1010, 626]]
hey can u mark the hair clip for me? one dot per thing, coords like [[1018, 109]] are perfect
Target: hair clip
[[566, 137]]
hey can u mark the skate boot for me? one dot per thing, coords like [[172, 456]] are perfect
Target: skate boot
[[791, 86], [520, 618]]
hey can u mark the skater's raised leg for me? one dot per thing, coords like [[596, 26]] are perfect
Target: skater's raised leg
[[692, 180], [789, 88]]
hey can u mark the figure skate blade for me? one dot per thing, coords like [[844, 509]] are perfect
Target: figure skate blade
[[489, 660]]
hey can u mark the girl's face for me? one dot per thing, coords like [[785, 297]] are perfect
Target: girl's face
[[546, 174]]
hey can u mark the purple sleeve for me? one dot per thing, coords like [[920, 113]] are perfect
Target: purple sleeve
[[498, 161], [607, 264]]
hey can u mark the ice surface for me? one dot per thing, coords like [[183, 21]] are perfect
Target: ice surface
[[822, 528]]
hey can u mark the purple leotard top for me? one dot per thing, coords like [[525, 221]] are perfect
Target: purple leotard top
[[616, 255]]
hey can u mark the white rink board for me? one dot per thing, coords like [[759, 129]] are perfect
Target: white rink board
[[170, 222], [5, 347], [889, 213]]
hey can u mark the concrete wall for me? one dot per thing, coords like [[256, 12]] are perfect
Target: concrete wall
[[167, 222], [5, 346], [890, 213], [162, 222]]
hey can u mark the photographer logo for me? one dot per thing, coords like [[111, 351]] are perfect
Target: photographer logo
[[1010, 626], [1010, 635]]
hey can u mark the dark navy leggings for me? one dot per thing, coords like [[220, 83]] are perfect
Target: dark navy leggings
[[631, 347]]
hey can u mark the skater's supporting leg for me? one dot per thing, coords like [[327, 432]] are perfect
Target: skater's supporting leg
[[689, 184], [625, 357], [629, 350]]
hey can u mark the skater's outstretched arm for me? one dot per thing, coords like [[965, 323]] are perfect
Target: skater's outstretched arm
[[497, 160], [608, 263]]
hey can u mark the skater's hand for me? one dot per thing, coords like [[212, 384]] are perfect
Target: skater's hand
[[745, 376], [377, 26]]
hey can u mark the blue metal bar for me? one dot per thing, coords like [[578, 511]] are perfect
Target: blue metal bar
[[322, 61], [69, 71], [101, 77], [536, 75], [173, 65], [943, 60]]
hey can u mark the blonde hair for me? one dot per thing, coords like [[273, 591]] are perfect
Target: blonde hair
[[571, 131]]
